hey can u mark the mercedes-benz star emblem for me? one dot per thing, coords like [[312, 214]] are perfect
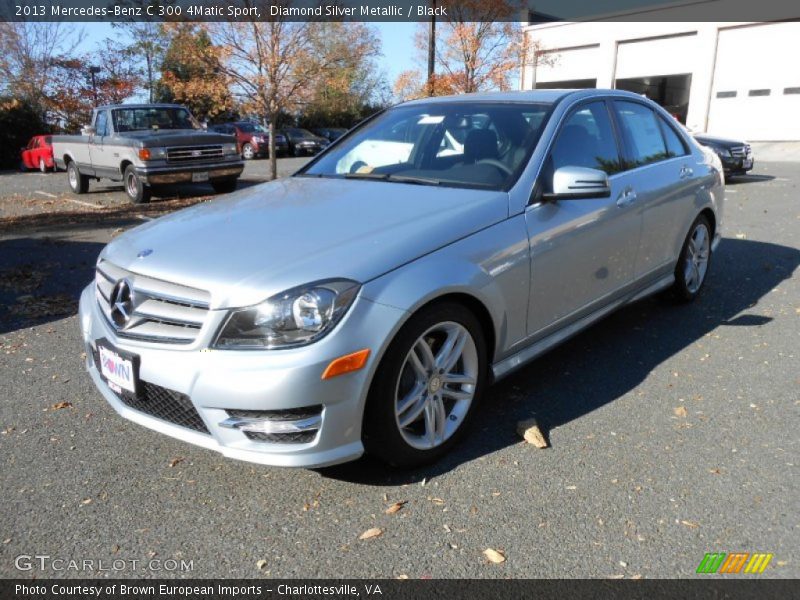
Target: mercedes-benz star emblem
[[121, 303]]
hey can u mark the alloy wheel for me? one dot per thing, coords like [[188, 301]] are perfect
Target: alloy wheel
[[436, 386], [696, 262]]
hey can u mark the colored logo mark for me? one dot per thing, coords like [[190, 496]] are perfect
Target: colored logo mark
[[733, 563]]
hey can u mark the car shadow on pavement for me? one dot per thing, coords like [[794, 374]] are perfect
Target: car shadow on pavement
[[748, 178], [606, 361], [41, 279]]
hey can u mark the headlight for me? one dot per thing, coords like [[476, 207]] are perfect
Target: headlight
[[721, 151], [230, 149], [294, 318], [152, 153]]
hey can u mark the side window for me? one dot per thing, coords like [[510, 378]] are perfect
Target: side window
[[101, 126], [642, 133], [675, 145], [586, 140]]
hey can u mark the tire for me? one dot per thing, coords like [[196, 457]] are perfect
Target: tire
[[137, 191], [694, 261], [401, 392], [78, 183], [247, 152], [42, 166], [225, 186]]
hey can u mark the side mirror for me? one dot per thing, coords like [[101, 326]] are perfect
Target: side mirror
[[578, 183], [88, 130]]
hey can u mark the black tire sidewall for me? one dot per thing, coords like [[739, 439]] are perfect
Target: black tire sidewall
[[680, 291], [380, 433]]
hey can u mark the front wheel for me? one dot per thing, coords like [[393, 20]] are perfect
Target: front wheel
[[224, 186], [78, 183], [137, 191], [694, 260], [426, 387]]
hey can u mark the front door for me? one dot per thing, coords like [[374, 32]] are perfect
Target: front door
[[583, 251]]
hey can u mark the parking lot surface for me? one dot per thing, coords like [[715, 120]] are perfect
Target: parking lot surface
[[673, 433]]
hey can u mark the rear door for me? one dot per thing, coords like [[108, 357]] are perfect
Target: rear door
[[583, 250], [662, 171]]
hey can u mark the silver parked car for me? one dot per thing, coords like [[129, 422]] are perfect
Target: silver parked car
[[366, 302]]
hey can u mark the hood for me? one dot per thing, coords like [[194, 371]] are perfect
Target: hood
[[177, 137], [718, 141], [260, 241]]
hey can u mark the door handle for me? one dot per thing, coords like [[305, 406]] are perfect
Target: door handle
[[626, 197], [686, 172]]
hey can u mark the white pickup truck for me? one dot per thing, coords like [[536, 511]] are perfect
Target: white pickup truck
[[147, 145]]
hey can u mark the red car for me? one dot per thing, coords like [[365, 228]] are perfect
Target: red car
[[38, 154]]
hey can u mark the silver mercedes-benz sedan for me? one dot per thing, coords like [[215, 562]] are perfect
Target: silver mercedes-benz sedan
[[365, 303]]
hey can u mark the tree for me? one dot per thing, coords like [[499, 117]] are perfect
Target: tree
[[480, 47], [29, 53], [274, 63], [119, 78], [353, 82], [192, 74]]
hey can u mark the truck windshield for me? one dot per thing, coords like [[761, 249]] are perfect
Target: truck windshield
[[458, 144], [152, 118]]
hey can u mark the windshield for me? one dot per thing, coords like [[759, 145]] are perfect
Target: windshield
[[300, 133], [150, 117], [462, 144], [251, 128]]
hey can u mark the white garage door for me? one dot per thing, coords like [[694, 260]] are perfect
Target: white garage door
[[569, 64], [756, 92]]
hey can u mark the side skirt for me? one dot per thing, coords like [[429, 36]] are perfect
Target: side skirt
[[525, 355]]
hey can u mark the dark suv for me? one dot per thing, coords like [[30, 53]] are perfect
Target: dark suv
[[252, 138], [736, 155]]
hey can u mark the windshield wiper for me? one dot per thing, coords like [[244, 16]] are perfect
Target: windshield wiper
[[414, 180], [375, 176]]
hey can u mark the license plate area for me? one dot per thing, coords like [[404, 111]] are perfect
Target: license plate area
[[119, 369], [199, 176]]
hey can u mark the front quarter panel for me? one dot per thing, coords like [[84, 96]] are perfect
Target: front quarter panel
[[491, 266]]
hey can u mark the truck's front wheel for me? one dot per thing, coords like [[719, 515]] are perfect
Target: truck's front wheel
[[77, 183], [224, 186], [138, 191]]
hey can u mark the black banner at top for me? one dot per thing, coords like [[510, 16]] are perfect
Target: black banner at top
[[522, 11]]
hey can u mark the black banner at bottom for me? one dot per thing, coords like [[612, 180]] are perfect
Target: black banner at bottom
[[389, 589]]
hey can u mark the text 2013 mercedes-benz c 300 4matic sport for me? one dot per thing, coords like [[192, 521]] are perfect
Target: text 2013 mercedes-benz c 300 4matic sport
[[365, 303]]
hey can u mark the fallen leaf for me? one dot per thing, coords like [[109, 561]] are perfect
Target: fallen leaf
[[396, 507], [715, 471], [7, 541], [60, 405], [261, 563], [691, 524], [403, 576], [637, 576], [371, 533], [680, 412], [437, 501], [495, 556], [115, 549], [530, 432], [176, 461], [86, 501]]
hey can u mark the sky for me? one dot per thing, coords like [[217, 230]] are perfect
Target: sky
[[397, 41]]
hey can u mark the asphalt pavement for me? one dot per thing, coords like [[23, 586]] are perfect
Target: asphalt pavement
[[673, 433]]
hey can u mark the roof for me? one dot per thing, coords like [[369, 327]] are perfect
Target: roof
[[520, 96]]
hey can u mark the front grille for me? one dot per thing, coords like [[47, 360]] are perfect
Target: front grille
[[300, 437], [166, 404], [741, 151], [162, 403], [189, 154], [159, 311]]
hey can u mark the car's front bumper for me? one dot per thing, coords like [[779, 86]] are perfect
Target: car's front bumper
[[737, 164], [216, 380], [162, 175]]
